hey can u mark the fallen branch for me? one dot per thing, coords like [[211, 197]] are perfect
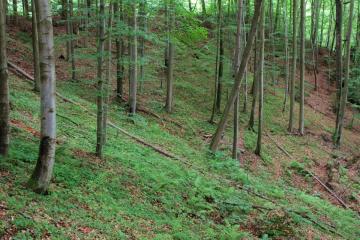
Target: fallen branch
[[312, 174]]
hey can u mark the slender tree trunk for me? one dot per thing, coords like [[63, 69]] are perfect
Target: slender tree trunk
[[345, 84], [133, 59], [255, 85], [330, 25], [108, 82], [120, 49], [293, 70], [302, 66], [142, 26], [239, 77], [221, 70], [238, 51], [203, 7], [170, 70], [15, 12], [322, 23], [35, 43], [286, 41], [339, 67], [261, 81], [217, 64], [100, 84], [4, 86], [26, 8], [68, 30], [41, 177], [167, 39], [72, 42]]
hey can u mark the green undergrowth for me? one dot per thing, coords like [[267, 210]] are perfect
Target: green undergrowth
[[137, 193]]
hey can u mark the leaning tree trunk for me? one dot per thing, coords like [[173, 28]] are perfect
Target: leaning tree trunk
[[42, 174], [239, 77], [133, 60], [4, 86], [170, 69], [293, 70], [261, 81], [302, 67], [100, 84], [345, 84]]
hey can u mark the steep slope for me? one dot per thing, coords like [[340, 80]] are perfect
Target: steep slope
[[136, 193]]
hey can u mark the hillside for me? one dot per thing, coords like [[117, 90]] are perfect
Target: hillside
[[137, 192]]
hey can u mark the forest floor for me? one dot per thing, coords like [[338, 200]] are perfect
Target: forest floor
[[137, 193]]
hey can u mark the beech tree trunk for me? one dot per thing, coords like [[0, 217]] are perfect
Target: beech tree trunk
[[293, 70], [4, 86], [133, 59], [302, 66], [170, 68], [100, 84], [41, 177], [345, 84], [261, 81], [120, 54], [239, 77], [339, 67], [35, 43]]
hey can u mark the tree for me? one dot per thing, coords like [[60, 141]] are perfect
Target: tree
[[339, 67], [238, 51], [345, 84], [15, 12], [142, 26], [133, 58], [302, 66], [100, 85], [120, 53], [239, 77], [293, 70], [170, 67], [255, 86], [4, 86], [286, 42], [40, 179], [35, 43], [261, 81], [72, 42], [203, 7]]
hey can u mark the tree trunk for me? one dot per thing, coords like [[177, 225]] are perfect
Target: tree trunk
[[68, 30], [108, 82], [239, 77], [4, 86], [120, 54], [72, 42], [345, 84], [238, 51], [35, 43], [142, 26], [261, 81], [203, 7], [41, 177], [170, 70], [255, 85], [286, 42], [133, 59], [15, 12], [293, 70], [100, 84], [302, 67], [339, 67], [26, 8]]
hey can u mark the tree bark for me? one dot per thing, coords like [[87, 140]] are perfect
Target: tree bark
[[302, 66], [345, 84], [261, 81], [120, 55], [15, 12], [286, 42], [170, 69], [293, 70], [133, 59], [72, 42], [35, 43], [142, 26], [41, 177], [339, 67], [4, 86], [239, 77], [100, 84]]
